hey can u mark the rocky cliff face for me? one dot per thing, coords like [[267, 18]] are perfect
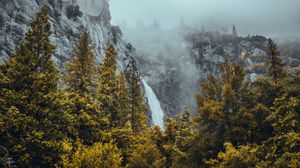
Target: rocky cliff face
[[176, 61], [211, 48], [68, 17]]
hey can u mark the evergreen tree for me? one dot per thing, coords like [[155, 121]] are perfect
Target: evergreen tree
[[80, 81], [283, 148], [136, 96], [33, 120], [120, 122], [262, 112], [107, 84], [181, 156], [169, 137], [220, 109], [114, 100], [121, 103], [81, 69], [234, 31], [274, 63], [184, 123]]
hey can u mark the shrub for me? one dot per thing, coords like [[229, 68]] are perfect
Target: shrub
[[73, 12]]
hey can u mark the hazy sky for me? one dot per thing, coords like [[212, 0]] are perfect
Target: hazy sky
[[267, 17]]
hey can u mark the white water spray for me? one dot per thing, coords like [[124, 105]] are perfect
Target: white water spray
[[157, 113]]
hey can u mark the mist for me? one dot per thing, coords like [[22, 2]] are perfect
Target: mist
[[273, 18], [158, 29]]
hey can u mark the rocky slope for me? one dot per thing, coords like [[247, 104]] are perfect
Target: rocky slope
[[68, 17], [176, 61]]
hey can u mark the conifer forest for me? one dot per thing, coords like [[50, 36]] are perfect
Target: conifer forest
[[78, 92]]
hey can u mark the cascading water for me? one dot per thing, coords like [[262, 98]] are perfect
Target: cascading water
[[157, 113]]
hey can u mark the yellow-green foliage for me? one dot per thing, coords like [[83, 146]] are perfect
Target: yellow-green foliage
[[81, 86], [98, 119], [98, 155], [107, 83], [147, 156], [136, 97], [274, 63], [80, 76], [32, 115], [243, 156]]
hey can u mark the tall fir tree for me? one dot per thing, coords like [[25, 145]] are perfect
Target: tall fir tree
[[274, 63], [181, 157], [184, 123], [121, 103], [81, 86], [107, 83], [33, 121], [114, 103], [80, 76], [138, 107], [234, 31], [219, 111]]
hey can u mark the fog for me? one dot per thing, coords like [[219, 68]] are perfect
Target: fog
[[164, 53], [265, 17]]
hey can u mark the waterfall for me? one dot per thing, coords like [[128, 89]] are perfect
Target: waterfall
[[157, 113]]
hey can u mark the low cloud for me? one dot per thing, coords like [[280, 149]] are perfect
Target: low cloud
[[265, 17]]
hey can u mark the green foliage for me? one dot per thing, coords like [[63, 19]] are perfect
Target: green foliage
[[184, 129], [121, 103], [91, 125], [81, 86], [107, 84], [98, 119], [33, 119], [260, 120], [181, 158], [274, 63], [98, 155], [283, 149], [219, 111], [136, 96], [243, 157], [147, 156], [80, 71]]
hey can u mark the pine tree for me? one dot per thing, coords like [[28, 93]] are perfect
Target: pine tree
[[137, 103], [80, 76], [112, 91], [120, 122], [234, 31], [184, 123], [107, 83], [274, 63], [219, 110], [33, 120], [81, 87], [121, 103], [114, 100], [181, 158], [170, 135], [283, 151]]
